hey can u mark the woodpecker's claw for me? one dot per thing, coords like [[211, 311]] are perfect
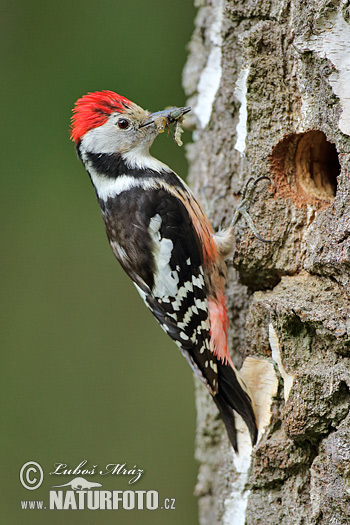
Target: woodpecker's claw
[[243, 208]]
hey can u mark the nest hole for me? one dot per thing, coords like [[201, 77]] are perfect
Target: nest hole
[[317, 166], [306, 167]]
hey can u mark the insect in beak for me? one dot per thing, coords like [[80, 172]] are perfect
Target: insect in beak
[[162, 119], [170, 115]]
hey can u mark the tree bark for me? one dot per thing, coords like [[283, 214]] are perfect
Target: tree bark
[[269, 83]]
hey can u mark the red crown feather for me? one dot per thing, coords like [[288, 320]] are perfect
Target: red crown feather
[[92, 110]]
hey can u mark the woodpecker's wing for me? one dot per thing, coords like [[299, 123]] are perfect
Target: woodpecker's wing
[[165, 263]]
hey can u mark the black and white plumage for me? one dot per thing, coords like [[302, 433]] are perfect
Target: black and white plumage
[[164, 242]]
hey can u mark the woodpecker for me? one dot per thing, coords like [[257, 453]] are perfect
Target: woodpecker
[[163, 239]]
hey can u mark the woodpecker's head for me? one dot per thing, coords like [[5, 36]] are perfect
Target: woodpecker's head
[[104, 122]]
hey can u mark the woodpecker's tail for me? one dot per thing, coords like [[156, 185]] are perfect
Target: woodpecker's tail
[[233, 395]]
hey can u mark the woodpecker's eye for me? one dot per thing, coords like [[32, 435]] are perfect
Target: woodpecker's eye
[[123, 123]]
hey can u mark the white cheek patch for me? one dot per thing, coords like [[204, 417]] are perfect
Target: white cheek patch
[[166, 280], [102, 139]]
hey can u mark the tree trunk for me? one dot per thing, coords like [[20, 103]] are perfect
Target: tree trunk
[[269, 83]]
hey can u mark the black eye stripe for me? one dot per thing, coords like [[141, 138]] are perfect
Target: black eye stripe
[[123, 123]]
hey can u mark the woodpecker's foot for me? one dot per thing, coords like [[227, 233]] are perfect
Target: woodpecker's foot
[[243, 208]]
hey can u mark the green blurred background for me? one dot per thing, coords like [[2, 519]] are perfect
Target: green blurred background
[[86, 371]]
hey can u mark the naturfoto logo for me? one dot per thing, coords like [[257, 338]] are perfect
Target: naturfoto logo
[[114, 469]]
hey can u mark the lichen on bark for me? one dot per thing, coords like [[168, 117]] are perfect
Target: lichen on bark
[[289, 298]]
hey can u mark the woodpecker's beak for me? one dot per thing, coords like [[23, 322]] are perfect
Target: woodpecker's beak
[[163, 118]]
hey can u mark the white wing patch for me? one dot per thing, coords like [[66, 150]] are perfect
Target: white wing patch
[[166, 280]]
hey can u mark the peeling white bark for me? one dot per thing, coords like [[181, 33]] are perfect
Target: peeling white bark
[[333, 42], [210, 78], [241, 95], [260, 377]]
